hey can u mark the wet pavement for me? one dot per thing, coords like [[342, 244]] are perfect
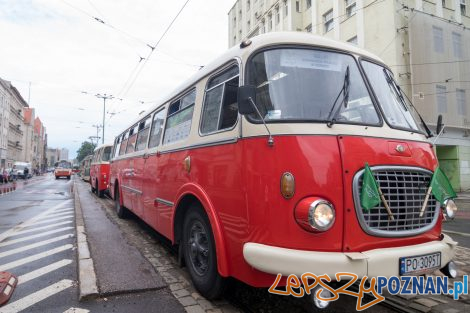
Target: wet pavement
[[120, 267]]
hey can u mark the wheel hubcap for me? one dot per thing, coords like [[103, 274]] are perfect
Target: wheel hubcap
[[198, 248]]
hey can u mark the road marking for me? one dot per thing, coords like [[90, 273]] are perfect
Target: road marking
[[52, 220], [34, 245], [64, 210], [30, 230], [37, 296], [53, 214], [29, 222], [42, 271], [35, 257], [76, 310], [456, 233], [26, 238]]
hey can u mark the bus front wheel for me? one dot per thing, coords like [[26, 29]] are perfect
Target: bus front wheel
[[200, 254], [121, 211]]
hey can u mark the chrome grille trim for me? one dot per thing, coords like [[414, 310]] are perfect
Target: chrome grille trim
[[404, 188]]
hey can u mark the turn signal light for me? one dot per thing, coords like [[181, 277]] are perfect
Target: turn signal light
[[287, 185]]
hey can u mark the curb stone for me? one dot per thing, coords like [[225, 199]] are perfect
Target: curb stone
[[86, 270]]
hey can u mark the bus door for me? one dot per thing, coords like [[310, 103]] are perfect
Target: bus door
[[151, 179], [136, 181]]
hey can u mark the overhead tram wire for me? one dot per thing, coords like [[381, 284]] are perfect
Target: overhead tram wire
[[125, 88], [101, 21]]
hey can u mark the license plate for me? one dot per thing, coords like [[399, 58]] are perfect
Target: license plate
[[416, 265]]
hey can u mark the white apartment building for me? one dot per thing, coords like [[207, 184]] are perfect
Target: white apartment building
[[426, 43]]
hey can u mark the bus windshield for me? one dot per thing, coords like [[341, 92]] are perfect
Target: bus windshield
[[302, 85], [106, 154], [63, 164], [397, 111]]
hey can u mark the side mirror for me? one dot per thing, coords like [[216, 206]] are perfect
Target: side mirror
[[245, 105], [440, 125]]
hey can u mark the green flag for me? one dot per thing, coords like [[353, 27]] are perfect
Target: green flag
[[370, 191], [441, 187]]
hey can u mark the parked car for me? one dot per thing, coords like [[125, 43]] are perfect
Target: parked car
[[23, 170]]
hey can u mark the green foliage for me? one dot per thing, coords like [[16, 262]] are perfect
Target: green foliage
[[85, 149]]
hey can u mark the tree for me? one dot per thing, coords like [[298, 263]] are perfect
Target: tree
[[86, 149]]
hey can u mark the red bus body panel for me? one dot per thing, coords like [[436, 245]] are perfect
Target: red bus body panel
[[99, 172], [238, 185]]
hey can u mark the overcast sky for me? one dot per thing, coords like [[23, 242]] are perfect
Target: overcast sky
[[58, 47]]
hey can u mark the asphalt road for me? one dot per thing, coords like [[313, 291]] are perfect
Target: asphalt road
[[459, 228], [38, 245]]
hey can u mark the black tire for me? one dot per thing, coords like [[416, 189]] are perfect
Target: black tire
[[121, 211], [200, 255], [68, 177], [91, 186], [98, 192]]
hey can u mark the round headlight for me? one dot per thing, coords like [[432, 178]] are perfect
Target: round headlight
[[321, 215], [450, 208]]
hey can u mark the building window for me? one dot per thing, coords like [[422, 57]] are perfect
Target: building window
[[350, 7], [438, 37], [248, 25], [443, 3], [461, 104], [308, 3], [463, 7], [353, 40], [297, 6], [441, 99], [270, 24], [247, 5], [286, 9], [328, 20], [278, 18], [308, 29], [457, 44]]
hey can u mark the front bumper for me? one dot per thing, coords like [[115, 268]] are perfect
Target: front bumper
[[372, 263]]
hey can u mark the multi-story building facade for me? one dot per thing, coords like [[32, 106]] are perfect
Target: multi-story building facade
[[426, 43], [52, 155], [4, 117], [64, 154], [40, 144], [28, 138], [15, 130]]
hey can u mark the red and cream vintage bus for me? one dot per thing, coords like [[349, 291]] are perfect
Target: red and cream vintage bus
[[254, 167], [99, 169], [85, 168], [63, 168]]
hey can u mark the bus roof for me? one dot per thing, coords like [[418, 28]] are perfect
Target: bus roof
[[258, 42], [103, 146]]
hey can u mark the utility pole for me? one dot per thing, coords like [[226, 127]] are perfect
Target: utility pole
[[97, 134], [104, 97]]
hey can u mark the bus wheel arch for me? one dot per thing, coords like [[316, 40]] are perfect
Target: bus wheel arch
[[185, 202]]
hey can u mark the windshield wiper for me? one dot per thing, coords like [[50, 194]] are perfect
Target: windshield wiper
[[345, 91], [400, 94]]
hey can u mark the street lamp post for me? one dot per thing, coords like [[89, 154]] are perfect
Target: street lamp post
[[104, 97]]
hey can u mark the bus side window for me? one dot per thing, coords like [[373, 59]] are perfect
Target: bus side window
[[132, 139], [122, 149], [143, 135], [178, 124], [220, 109], [116, 146], [157, 128]]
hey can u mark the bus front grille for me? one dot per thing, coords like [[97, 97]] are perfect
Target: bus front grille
[[404, 189]]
